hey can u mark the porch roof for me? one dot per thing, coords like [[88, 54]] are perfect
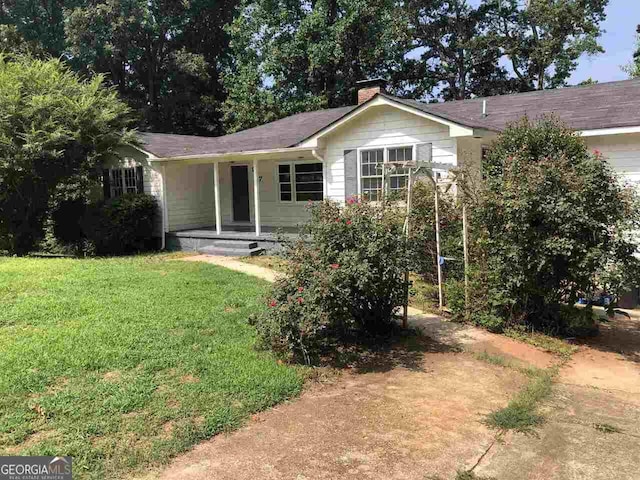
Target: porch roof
[[280, 134]]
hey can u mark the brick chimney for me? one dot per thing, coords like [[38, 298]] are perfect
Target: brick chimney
[[367, 89]]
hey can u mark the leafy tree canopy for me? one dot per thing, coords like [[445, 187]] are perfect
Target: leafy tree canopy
[[55, 129], [307, 55], [215, 66], [291, 56], [543, 39]]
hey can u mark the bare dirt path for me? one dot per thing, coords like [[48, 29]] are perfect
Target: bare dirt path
[[592, 430], [416, 412], [233, 263], [411, 412]]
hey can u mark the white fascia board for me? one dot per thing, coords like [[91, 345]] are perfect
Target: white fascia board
[[455, 129], [231, 156], [609, 131]]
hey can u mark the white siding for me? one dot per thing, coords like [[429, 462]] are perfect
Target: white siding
[[190, 201], [622, 152], [152, 178], [379, 127], [273, 213]]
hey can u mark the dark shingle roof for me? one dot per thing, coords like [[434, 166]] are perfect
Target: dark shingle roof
[[588, 107], [604, 105], [282, 133]]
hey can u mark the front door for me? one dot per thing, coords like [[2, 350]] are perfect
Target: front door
[[240, 189]]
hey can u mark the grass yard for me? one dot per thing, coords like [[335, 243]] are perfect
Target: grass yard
[[122, 363]]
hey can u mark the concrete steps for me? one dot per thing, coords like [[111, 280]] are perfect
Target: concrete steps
[[232, 248]]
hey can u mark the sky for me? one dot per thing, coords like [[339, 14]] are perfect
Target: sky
[[623, 16], [618, 41]]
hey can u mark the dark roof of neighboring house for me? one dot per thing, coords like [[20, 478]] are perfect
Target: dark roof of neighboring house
[[588, 107], [282, 133]]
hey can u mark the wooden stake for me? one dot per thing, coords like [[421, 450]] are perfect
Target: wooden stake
[[465, 246], [405, 316], [440, 295]]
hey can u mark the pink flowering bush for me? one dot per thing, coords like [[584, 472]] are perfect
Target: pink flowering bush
[[344, 280]]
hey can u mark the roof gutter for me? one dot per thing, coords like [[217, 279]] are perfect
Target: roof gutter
[[608, 131]]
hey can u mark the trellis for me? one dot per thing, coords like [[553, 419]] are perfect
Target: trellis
[[414, 170]]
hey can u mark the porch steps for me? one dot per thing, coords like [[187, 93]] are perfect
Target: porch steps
[[232, 248]]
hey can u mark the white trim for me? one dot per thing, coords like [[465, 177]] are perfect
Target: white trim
[[608, 131], [216, 196], [165, 211], [455, 129], [292, 172], [208, 157], [359, 151], [256, 197]]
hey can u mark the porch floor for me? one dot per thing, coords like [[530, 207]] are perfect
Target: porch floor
[[239, 232], [198, 239]]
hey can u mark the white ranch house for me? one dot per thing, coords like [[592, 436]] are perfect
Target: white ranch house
[[246, 185]]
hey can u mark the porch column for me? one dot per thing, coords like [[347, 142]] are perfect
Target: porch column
[[216, 191], [256, 196]]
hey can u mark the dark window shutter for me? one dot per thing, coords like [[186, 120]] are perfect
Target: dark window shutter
[[140, 179], [424, 152], [106, 183], [350, 173]]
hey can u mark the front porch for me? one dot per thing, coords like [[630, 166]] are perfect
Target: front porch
[[248, 200], [269, 239]]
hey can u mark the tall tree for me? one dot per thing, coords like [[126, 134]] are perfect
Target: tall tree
[[543, 39], [39, 21], [301, 55], [450, 49], [164, 56]]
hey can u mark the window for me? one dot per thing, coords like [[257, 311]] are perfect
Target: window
[[309, 182], [304, 183], [399, 177], [371, 174], [118, 181], [117, 188], [284, 177]]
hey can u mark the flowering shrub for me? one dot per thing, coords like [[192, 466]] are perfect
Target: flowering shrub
[[552, 223], [343, 280]]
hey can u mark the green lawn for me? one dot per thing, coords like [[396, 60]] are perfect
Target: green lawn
[[124, 362]]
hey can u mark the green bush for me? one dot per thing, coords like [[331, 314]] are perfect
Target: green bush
[[121, 225], [56, 129], [343, 282], [550, 221]]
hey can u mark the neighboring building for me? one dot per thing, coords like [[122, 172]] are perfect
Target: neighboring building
[[257, 180]]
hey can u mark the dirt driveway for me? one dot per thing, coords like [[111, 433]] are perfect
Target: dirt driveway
[[416, 411]]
